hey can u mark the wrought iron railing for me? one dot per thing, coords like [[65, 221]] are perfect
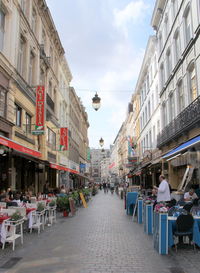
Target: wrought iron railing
[[186, 120]]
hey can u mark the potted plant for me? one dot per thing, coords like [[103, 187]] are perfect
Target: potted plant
[[63, 204], [16, 216], [40, 207], [52, 203]]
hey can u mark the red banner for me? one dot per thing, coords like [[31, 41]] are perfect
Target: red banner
[[63, 139], [18, 147], [40, 103], [62, 168], [111, 165]]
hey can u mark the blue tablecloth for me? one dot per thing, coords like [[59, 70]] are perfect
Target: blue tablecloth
[[172, 227], [131, 199]]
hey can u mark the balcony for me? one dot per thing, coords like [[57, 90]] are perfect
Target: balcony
[[43, 56], [50, 102], [189, 118]]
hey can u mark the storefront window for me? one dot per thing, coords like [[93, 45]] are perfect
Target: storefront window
[[2, 102], [18, 115]]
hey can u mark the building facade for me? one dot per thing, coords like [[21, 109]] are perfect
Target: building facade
[[177, 25], [32, 55]]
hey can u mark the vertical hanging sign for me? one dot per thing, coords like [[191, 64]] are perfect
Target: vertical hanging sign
[[40, 108], [63, 139]]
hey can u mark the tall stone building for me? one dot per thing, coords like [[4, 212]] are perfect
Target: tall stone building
[[177, 25], [31, 55]]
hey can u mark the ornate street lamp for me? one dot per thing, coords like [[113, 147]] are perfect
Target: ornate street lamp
[[101, 142], [96, 102]]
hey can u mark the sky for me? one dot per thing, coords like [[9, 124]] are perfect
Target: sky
[[104, 42]]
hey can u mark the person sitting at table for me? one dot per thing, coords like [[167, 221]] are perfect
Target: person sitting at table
[[163, 191], [17, 200], [190, 195]]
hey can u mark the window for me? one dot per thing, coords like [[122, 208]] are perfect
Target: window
[[147, 143], [181, 99], [42, 77], [154, 133], [162, 76], [177, 46], [164, 114], [145, 114], [160, 42], [51, 54], [2, 102], [23, 5], [149, 110], [43, 39], [51, 138], [18, 115], [2, 28], [50, 89], [169, 63], [150, 139], [171, 107], [28, 123], [21, 55], [152, 99], [148, 84], [34, 20], [174, 8], [158, 126], [31, 68], [166, 26], [143, 120], [188, 25], [192, 83]]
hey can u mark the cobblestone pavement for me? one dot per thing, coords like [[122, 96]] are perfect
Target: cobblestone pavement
[[100, 239]]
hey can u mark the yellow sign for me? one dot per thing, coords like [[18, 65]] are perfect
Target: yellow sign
[[83, 200]]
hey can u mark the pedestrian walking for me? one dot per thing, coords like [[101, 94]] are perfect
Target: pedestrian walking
[[104, 187]]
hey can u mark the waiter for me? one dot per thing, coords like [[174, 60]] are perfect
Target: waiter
[[163, 191]]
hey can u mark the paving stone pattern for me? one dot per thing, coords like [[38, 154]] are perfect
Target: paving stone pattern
[[100, 239]]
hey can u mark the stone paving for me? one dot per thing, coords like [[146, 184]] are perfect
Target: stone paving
[[100, 239]]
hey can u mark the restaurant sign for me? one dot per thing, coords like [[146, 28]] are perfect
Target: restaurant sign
[[63, 139], [40, 110]]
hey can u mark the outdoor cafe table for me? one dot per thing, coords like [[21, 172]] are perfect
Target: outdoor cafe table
[[148, 218], [172, 227]]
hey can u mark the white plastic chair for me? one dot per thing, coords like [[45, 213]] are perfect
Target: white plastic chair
[[10, 232], [52, 215], [37, 221]]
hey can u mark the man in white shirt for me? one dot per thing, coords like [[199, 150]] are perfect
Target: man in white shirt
[[191, 195], [163, 191]]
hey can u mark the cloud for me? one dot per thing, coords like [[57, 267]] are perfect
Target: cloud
[[133, 12]]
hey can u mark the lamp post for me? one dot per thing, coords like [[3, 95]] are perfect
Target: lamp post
[[101, 142], [96, 102]]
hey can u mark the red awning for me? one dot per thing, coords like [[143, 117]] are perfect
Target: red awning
[[18, 147], [62, 168]]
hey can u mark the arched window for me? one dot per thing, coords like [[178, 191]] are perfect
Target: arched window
[[164, 114], [180, 96], [187, 25], [162, 75], [177, 46], [160, 42], [169, 62], [192, 82], [171, 106]]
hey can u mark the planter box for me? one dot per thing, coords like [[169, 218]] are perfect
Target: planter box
[[160, 232], [148, 219]]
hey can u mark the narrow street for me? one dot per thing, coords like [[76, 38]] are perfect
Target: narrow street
[[102, 239]]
